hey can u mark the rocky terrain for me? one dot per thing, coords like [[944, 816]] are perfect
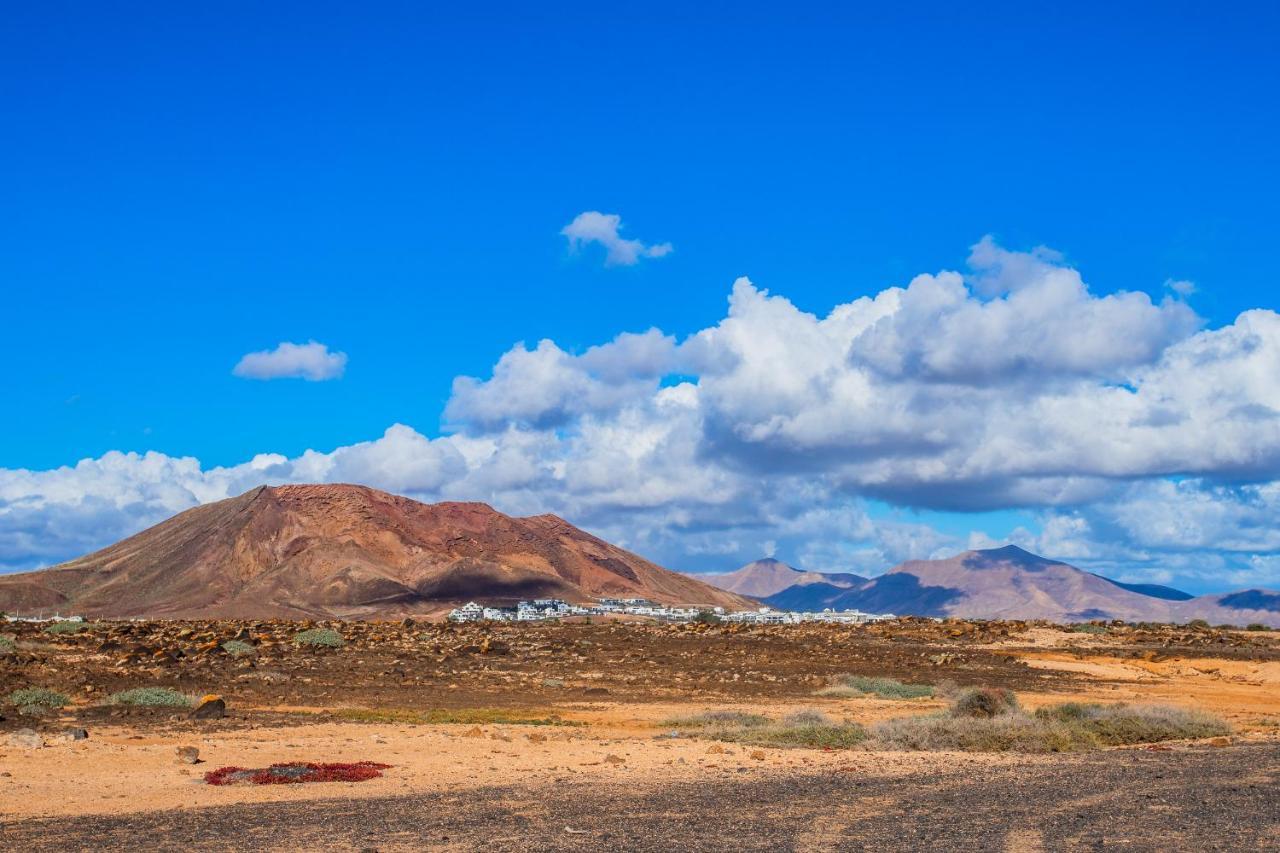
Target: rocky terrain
[[344, 551], [543, 735]]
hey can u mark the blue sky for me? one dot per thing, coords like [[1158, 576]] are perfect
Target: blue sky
[[186, 186]]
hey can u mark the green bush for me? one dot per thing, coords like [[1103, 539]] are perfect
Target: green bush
[[984, 702], [38, 696], [1088, 628], [324, 638], [885, 688], [1256, 626], [238, 648], [1197, 623], [162, 697], [7, 646], [61, 628]]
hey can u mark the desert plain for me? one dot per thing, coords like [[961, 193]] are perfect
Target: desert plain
[[618, 734]]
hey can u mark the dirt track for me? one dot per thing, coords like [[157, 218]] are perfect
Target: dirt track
[[1200, 799]]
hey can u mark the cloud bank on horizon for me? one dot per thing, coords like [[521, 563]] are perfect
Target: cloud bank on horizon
[[1145, 445]]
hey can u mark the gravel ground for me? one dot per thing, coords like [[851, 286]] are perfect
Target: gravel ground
[[1184, 799]]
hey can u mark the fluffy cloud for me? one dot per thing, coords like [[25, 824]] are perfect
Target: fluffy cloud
[[1143, 444], [594, 227], [311, 361]]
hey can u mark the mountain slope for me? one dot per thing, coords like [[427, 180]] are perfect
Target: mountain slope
[[344, 551], [763, 578], [1010, 583]]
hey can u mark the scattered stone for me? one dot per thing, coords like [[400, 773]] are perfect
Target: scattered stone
[[211, 707], [188, 755], [26, 739], [77, 734]]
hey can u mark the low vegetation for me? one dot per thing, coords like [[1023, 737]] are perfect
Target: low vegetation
[[7, 646], [982, 702], [850, 686], [990, 720], [716, 720], [441, 716], [322, 638], [238, 648], [811, 729], [38, 697], [1088, 628], [160, 697], [64, 628]]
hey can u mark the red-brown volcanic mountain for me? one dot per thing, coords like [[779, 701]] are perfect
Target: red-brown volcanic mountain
[[344, 551]]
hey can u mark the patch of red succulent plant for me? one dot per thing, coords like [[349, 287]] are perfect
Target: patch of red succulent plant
[[296, 773]]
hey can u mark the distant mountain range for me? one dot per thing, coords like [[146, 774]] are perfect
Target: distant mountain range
[[344, 551], [999, 583], [768, 577]]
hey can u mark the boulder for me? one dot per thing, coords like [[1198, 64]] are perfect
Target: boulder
[[211, 707], [188, 755]]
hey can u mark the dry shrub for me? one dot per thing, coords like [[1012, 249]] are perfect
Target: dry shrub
[[984, 702], [716, 719], [849, 686], [1059, 728], [1120, 725], [806, 728]]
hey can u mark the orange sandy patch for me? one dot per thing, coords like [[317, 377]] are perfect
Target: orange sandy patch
[[115, 771]]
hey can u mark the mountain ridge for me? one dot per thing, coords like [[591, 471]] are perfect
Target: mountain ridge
[[344, 551], [1010, 582]]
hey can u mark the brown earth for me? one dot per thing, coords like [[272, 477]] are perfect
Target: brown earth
[[347, 552], [518, 731]]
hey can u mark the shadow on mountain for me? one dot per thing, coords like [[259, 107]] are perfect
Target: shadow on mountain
[[812, 596], [1252, 599], [1166, 593], [898, 592]]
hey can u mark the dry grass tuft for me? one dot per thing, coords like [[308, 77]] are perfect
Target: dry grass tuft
[[852, 686], [807, 728], [441, 716], [1060, 728]]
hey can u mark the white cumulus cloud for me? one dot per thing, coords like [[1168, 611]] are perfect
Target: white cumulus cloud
[[1142, 443], [311, 361], [594, 227]]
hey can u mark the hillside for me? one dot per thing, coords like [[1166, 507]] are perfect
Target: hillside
[[344, 551]]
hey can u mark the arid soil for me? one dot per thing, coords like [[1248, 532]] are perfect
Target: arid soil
[[519, 731], [1204, 799]]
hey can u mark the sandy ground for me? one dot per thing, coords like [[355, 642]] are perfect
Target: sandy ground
[[129, 766], [116, 770]]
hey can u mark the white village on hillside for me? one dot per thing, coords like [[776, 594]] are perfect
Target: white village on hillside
[[540, 609]]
